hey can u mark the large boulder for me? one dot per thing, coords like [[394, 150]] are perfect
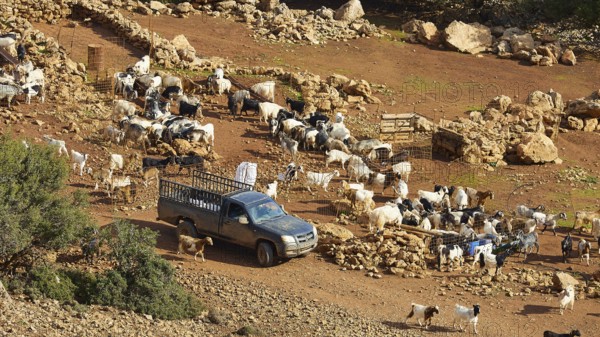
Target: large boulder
[[468, 38], [588, 107], [568, 58], [536, 148], [184, 49], [540, 100], [360, 88], [521, 42], [424, 32], [575, 123], [349, 11], [500, 103], [334, 231], [562, 280]]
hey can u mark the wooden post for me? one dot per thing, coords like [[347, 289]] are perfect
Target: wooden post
[[95, 57]]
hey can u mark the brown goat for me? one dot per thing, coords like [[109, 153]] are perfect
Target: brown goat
[[188, 244]]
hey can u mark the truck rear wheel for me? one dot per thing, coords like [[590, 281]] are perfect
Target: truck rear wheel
[[188, 228], [265, 254]]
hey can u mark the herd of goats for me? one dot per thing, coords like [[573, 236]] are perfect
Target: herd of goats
[[455, 215]]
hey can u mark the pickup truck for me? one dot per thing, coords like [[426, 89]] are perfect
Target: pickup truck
[[231, 211]]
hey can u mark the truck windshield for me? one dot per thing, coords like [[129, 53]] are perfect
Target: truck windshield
[[265, 211]]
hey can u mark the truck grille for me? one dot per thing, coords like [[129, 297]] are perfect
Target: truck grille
[[305, 239]]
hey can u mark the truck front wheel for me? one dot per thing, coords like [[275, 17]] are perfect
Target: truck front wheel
[[265, 254], [188, 228]]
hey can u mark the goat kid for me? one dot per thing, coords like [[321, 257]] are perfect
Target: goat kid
[[193, 246], [565, 298], [78, 159]]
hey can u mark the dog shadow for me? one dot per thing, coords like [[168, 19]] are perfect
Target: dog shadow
[[531, 309]]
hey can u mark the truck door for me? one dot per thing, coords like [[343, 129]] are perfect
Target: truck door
[[233, 230]]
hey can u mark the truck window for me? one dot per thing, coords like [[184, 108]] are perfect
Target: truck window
[[235, 211], [265, 211]]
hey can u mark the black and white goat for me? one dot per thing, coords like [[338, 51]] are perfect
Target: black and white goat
[[566, 246], [488, 260], [449, 253], [249, 104], [465, 314], [186, 109]]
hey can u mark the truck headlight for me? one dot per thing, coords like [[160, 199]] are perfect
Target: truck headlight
[[288, 239]]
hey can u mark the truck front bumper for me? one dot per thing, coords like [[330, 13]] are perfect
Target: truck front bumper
[[292, 250]]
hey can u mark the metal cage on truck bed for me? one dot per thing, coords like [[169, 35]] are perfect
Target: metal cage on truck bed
[[217, 184]]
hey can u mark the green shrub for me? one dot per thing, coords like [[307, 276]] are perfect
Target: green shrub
[[51, 283], [110, 289], [155, 292]]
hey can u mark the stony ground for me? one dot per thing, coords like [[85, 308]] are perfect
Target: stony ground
[[312, 296]]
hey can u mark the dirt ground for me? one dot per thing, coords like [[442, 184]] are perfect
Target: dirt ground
[[435, 83]]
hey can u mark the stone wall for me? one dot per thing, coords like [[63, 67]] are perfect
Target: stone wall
[[37, 10]]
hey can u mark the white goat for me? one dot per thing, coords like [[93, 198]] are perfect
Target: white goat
[[267, 111], [116, 162], [386, 214], [142, 67], [402, 190], [357, 167], [464, 314], [320, 179], [78, 159], [335, 156], [272, 190], [123, 108], [461, 199], [60, 144], [219, 73], [566, 297], [220, 85], [433, 197], [403, 169], [265, 89]]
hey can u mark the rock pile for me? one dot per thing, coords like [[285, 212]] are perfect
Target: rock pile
[[336, 92], [396, 251], [505, 131], [274, 21], [475, 38], [583, 113]]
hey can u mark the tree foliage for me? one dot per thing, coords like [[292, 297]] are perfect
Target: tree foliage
[[35, 210]]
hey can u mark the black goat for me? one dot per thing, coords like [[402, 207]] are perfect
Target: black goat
[[148, 162], [566, 247], [295, 105], [317, 118], [573, 333], [189, 162], [171, 91], [232, 105], [21, 52], [186, 109], [249, 104]]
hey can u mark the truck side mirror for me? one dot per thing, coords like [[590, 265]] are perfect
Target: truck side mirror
[[243, 220]]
